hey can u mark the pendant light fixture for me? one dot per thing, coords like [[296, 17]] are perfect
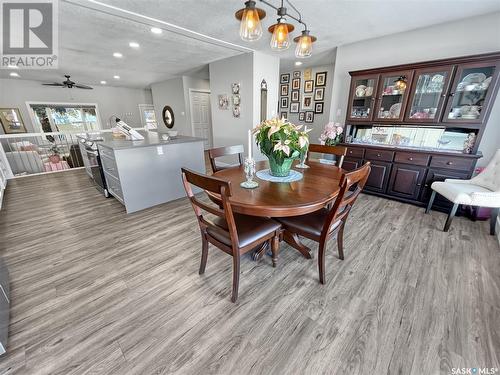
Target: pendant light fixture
[[250, 17], [400, 83], [281, 30], [304, 44], [250, 28]]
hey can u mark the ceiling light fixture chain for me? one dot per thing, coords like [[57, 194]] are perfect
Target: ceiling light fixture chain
[[251, 29]]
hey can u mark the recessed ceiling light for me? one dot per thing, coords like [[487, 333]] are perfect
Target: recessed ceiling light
[[103, 82], [134, 45], [14, 74], [118, 55], [116, 77], [156, 30], [298, 63]]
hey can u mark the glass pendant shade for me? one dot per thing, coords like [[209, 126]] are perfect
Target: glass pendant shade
[[304, 47], [304, 44], [280, 39], [250, 26]]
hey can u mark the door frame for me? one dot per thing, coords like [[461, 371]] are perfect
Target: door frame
[[205, 91]]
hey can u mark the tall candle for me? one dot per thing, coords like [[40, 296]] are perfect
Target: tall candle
[[250, 144]]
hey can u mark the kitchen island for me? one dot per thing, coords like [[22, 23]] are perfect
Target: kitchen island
[[145, 173]]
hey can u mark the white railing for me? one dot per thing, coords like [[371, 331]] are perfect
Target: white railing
[[34, 153]]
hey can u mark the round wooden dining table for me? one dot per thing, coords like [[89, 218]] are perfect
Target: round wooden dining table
[[318, 187]]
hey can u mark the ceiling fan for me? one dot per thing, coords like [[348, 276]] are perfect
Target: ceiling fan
[[69, 84]]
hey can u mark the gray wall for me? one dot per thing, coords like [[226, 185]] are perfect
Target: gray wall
[[247, 69], [320, 120], [465, 37], [120, 101], [175, 93]]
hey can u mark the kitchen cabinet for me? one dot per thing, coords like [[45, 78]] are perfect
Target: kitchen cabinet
[[379, 176], [362, 98], [391, 98], [406, 181], [428, 94], [351, 164]]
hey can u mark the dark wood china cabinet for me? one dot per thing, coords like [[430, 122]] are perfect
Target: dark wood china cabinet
[[419, 123]]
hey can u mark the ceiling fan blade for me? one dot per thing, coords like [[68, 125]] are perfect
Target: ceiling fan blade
[[84, 87], [53, 84]]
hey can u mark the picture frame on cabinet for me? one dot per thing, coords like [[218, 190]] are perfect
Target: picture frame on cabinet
[[307, 102], [285, 78], [319, 93], [284, 102], [321, 78], [294, 107], [284, 90], [318, 107], [284, 115], [296, 74], [309, 117], [296, 84], [295, 96], [308, 86], [302, 116]]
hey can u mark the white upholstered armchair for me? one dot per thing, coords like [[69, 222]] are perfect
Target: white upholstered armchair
[[482, 191]]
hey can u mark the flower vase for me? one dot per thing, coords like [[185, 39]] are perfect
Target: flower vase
[[280, 168]]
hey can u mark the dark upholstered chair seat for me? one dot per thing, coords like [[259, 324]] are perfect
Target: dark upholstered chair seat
[[249, 228], [309, 225]]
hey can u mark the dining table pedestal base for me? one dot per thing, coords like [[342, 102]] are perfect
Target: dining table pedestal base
[[294, 241]]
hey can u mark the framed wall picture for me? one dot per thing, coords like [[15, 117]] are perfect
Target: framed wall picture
[[236, 111], [307, 102], [223, 101], [307, 74], [295, 95], [236, 99], [284, 115], [318, 107], [285, 78], [284, 102], [168, 116], [294, 107], [308, 86], [284, 90], [296, 84], [309, 117], [302, 116], [235, 87], [319, 93], [321, 79], [296, 74], [11, 120]]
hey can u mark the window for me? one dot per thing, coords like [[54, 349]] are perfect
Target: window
[[65, 118], [148, 116]]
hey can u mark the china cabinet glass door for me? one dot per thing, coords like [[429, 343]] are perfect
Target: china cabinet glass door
[[393, 95], [471, 93], [428, 94], [362, 98]]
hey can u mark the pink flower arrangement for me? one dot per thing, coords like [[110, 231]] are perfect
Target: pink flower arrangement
[[331, 134]]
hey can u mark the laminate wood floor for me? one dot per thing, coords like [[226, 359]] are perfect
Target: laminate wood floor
[[96, 291]]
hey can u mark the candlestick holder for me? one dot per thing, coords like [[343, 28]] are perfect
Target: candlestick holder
[[249, 173], [302, 163]]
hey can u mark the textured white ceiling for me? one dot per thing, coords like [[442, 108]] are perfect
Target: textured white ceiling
[[88, 37]]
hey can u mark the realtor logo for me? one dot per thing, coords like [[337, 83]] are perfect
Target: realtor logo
[[29, 34]]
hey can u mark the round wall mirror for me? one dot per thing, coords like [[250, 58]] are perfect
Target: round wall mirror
[[168, 117]]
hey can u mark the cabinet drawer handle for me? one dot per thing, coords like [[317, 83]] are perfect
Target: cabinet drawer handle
[[452, 94], [350, 151], [449, 163], [410, 159], [378, 155], [419, 184]]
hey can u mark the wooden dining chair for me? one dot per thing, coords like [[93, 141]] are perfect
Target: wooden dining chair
[[234, 234], [225, 151], [321, 225], [339, 151]]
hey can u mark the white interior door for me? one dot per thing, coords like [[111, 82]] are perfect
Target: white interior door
[[201, 118]]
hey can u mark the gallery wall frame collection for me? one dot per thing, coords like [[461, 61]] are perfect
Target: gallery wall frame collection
[[223, 100], [306, 101]]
